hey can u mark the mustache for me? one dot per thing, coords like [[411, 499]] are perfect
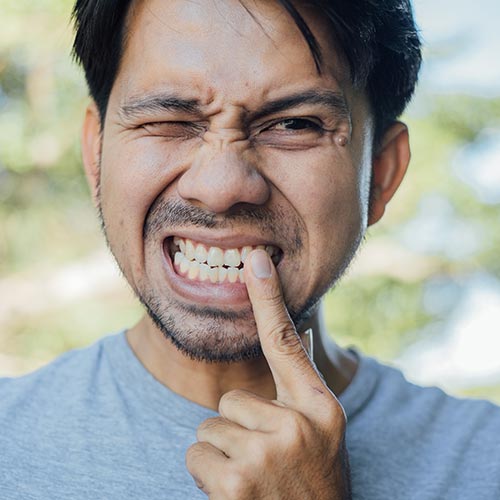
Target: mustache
[[165, 213]]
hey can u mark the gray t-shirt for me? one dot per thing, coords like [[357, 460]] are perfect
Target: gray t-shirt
[[95, 424]]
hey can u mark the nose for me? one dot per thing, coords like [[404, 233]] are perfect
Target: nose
[[221, 177]]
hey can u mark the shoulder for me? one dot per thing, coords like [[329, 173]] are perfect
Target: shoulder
[[392, 396], [397, 395], [403, 437], [68, 375], [424, 424]]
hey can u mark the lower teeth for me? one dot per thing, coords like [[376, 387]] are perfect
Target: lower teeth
[[193, 270]]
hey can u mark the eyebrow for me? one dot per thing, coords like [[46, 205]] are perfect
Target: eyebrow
[[335, 101], [148, 104]]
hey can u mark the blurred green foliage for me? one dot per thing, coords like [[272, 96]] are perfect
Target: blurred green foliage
[[42, 97], [47, 220]]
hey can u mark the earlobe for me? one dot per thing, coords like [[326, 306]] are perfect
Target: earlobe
[[91, 149], [389, 168]]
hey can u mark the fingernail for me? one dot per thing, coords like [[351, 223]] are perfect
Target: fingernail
[[261, 264]]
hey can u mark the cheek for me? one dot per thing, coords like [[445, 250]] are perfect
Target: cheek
[[133, 175], [335, 218], [326, 193], [328, 198]]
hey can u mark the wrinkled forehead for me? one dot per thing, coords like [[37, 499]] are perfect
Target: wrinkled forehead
[[227, 45]]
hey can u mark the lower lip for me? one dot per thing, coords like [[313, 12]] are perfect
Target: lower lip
[[205, 292]]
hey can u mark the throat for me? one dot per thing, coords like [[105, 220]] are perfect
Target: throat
[[200, 382]]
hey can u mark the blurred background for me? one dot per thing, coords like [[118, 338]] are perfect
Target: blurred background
[[424, 292]]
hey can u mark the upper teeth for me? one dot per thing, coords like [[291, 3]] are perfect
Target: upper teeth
[[215, 256]]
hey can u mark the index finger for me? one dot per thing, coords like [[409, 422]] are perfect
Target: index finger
[[295, 375]]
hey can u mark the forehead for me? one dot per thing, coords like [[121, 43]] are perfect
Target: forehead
[[209, 48]]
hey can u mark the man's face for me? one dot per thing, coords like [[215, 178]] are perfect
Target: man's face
[[220, 134]]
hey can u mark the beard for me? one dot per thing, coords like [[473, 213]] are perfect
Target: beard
[[219, 340], [205, 333]]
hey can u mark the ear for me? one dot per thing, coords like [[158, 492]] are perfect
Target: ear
[[389, 168], [91, 149]]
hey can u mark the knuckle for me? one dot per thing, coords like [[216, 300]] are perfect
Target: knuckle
[[295, 430], [285, 339], [206, 426], [228, 399], [259, 453], [236, 484], [334, 414], [209, 423], [193, 455], [341, 428], [291, 420], [334, 425], [279, 326], [234, 397]]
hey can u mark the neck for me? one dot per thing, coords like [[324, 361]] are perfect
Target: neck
[[205, 383]]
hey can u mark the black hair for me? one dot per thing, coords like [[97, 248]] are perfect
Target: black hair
[[378, 39]]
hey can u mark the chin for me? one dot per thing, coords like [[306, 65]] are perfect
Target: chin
[[205, 334]]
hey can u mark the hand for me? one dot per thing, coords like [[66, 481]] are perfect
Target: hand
[[289, 448]]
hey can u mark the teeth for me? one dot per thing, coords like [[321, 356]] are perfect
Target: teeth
[[214, 274], [244, 253], [200, 253], [180, 243], [215, 257], [184, 265], [222, 274], [194, 270], [232, 274], [204, 272], [232, 258], [178, 258], [198, 263], [189, 253]]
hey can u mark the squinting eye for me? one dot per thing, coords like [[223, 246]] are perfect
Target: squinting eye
[[173, 129], [296, 124]]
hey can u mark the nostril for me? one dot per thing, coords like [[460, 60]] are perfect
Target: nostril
[[221, 181]]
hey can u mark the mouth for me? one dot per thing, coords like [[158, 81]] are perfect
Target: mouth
[[200, 262]]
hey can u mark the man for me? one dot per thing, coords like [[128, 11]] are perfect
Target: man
[[237, 152]]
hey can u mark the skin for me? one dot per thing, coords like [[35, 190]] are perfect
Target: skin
[[280, 421]]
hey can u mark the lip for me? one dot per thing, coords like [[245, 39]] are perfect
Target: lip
[[222, 295]]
